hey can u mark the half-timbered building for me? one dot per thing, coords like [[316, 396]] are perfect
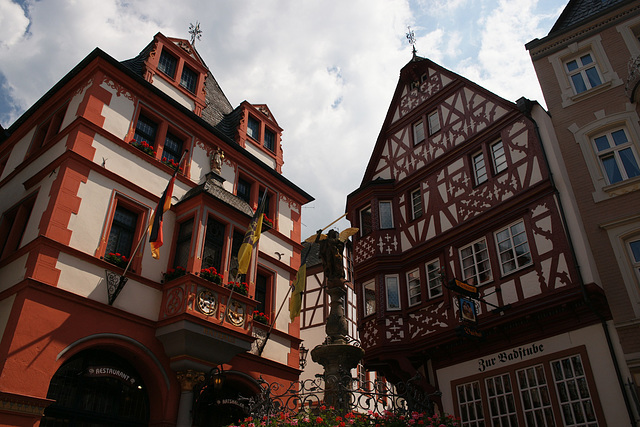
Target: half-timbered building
[[463, 266], [81, 173]]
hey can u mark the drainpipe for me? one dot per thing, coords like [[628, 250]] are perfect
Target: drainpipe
[[525, 106]]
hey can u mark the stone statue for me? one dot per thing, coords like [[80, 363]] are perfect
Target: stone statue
[[216, 161]]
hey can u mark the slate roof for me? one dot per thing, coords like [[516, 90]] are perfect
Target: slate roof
[[578, 11], [312, 250], [211, 188], [217, 105]]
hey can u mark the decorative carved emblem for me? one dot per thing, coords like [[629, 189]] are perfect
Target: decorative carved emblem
[[207, 303], [236, 313]]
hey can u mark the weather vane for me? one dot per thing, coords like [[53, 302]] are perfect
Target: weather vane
[[412, 39], [195, 32]]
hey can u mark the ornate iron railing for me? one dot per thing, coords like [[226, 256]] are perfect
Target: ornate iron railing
[[373, 397]]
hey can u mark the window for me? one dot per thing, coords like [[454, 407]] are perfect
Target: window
[[393, 292], [617, 156], [243, 190], [146, 130], [253, 128], [434, 279], [479, 168], [583, 73], [167, 64], [269, 140], [418, 132], [434, 122], [123, 231], [513, 247], [386, 215], [369, 296], [13, 224], [183, 244], [48, 129], [534, 394], [634, 251], [263, 294], [213, 244], [470, 404], [502, 407], [189, 79], [413, 287], [416, 204], [476, 269], [365, 221], [172, 151], [573, 392], [498, 156]]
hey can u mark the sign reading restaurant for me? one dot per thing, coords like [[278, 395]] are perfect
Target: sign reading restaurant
[[513, 355]]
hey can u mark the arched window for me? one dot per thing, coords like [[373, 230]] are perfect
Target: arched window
[[97, 388]]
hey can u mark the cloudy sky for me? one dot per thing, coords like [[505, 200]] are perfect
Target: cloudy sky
[[326, 68]]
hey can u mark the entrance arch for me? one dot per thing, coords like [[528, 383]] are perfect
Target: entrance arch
[[99, 388]]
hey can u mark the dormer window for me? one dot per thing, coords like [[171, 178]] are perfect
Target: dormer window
[[253, 128], [189, 79], [269, 140], [168, 64]]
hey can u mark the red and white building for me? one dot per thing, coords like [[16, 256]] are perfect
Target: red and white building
[[77, 183], [459, 186]]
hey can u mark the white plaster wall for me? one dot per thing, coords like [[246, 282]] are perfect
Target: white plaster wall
[[72, 109], [260, 154], [13, 272], [277, 348], [18, 153], [5, 311], [592, 337], [88, 280], [285, 224], [118, 114], [270, 244], [173, 92]]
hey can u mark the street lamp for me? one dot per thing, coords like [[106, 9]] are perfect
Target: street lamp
[[303, 356]]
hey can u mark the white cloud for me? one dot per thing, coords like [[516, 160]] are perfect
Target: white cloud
[[13, 23]]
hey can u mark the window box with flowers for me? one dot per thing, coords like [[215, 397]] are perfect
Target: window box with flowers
[[260, 317], [116, 259], [144, 146], [212, 275], [171, 163], [174, 273], [266, 221], [239, 288]]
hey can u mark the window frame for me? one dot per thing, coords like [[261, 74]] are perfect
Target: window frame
[[432, 128], [413, 283], [415, 213], [419, 135], [480, 173], [581, 70], [513, 247], [365, 227], [386, 221], [265, 306], [181, 239], [223, 240], [634, 255], [190, 81], [613, 151], [47, 129], [435, 278], [253, 125], [271, 146], [476, 275], [13, 225], [369, 303], [162, 64], [503, 165], [392, 282]]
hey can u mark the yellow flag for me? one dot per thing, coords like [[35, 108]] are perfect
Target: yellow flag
[[299, 285], [251, 238]]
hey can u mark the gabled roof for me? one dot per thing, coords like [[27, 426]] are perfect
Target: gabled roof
[[578, 11]]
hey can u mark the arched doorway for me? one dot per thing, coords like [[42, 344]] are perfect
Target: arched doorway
[[96, 388], [222, 399]]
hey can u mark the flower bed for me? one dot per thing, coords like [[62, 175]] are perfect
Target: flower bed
[[174, 273], [116, 259], [239, 288], [212, 275], [144, 147]]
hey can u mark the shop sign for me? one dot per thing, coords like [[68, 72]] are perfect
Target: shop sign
[[463, 288], [513, 355], [107, 371], [468, 331]]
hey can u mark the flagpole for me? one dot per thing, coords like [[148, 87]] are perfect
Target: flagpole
[[304, 260]]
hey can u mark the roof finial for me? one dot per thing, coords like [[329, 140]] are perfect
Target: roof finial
[[412, 40], [195, 32]]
